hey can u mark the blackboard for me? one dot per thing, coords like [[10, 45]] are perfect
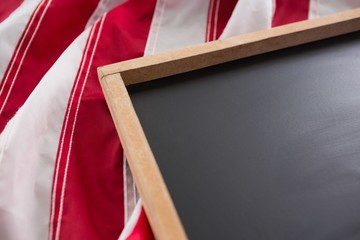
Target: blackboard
[[254, 137], [266, 147]]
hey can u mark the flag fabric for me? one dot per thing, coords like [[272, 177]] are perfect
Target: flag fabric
[[62, 170]]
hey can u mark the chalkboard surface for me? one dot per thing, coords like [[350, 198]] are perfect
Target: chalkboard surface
[[266, 147]]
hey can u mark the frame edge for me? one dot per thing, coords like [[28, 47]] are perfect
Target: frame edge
[[158, 205], [208, 54]]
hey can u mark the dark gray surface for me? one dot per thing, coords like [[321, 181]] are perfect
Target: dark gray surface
[[262, 148]]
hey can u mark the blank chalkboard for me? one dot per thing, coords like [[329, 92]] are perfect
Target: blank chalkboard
[[265, 147], [262, 148]]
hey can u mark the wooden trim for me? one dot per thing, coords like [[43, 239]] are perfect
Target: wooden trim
[[156, 199], [208, 54], [157, 202]]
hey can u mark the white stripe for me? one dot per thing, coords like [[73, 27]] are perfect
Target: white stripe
[[23, 57], [177, 24], [10, 35], [28, 150], [129, 227], [154, 28], [102, 7], [320, 8], [136, 194], [249, 16], [73, 130], [129, 191]]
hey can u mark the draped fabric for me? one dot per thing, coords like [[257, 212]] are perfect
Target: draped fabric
[[62, 170]]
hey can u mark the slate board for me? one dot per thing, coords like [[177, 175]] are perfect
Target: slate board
[[266, 147]]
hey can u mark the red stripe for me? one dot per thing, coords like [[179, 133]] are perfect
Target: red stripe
[[15, 60], [69, 133], [290, 11], [7, 7], [142, 229], [219, 14], [210, 25], [60, 165], [93, 205], [62, 23]]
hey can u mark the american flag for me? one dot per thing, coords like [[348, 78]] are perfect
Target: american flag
[[62, 170]]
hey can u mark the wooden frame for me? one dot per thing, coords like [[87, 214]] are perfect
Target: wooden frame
[[114, 79]]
